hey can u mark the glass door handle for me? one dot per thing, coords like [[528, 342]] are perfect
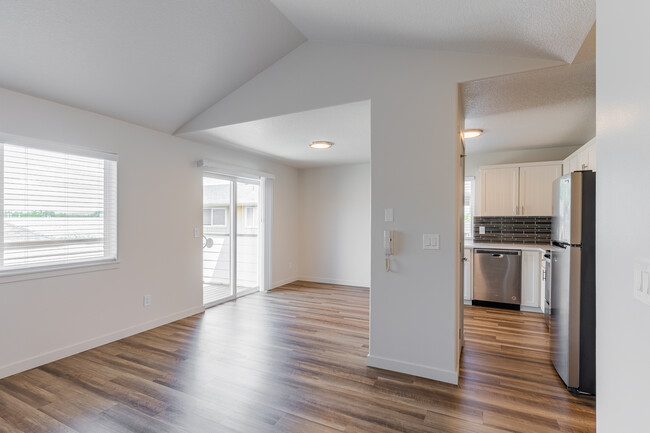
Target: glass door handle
[[207, 242]]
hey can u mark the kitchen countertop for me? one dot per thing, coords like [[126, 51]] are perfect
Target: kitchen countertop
[[526, 247]]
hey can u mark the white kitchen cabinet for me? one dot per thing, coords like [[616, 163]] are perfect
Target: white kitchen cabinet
[[499, 191], [518, 189], [531, 263], [468, 274], [571, 165], [591, 158], [582, 159], [536, 189]]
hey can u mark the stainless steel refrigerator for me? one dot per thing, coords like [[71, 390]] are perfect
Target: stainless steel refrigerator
[[573, 280]]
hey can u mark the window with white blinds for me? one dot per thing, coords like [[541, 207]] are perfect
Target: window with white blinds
[[58, 208], [468, 206]]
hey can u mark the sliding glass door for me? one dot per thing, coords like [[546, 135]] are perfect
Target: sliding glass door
[[231, 210], [248, 240], [217, 248]]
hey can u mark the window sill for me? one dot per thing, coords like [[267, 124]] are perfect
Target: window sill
[[59, 271]]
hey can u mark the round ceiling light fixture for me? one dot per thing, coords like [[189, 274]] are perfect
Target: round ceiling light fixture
[[321, 144], [471, 133]]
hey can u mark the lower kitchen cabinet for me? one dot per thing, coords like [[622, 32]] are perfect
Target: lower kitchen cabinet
[[468, 274], [531, 262], [531, 279]]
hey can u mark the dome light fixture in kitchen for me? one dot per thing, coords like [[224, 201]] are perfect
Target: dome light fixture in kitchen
[[471, 133], [321, 144]]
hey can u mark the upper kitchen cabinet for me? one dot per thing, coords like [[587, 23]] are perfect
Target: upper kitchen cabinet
[[582, 159], [536, 188], [499, 191], [518, 189]]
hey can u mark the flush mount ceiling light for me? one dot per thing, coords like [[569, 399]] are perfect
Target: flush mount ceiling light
[[321, 144], [471, 133]]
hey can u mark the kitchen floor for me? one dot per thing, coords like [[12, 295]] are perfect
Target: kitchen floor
[[294, 360], [508, 376]]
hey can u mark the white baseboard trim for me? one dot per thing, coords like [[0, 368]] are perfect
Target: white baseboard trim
[[335, 281], [283, 282], [44, 358], [531, 309], [447, 376]]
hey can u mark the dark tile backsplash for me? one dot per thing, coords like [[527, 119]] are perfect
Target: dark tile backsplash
[[513, 230]]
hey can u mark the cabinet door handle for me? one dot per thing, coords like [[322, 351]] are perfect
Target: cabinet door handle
[[522, 210], [517, 210]]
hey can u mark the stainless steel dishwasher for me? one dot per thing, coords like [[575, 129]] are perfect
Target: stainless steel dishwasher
[[497, 276]]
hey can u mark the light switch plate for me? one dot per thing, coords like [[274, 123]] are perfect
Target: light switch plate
[[430, 241], [642, 280], [388, 215]]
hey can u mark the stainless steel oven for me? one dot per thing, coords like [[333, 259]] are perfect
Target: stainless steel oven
[[547, 288]]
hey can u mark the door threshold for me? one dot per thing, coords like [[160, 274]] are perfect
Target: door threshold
[[230, 298]]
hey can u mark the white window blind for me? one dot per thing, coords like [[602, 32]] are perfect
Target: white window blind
[[468, 206], [58, 208]]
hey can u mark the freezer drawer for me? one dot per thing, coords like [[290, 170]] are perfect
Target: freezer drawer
[[497, 276]]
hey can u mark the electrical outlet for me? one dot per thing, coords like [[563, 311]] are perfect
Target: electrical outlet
[[481, 230], [642, 280], [146, 300]]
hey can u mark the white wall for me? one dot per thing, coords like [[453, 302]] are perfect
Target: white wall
[[460, 225], [623, 211], [414, 310], [334, 217], [475, 160], [160, 201]]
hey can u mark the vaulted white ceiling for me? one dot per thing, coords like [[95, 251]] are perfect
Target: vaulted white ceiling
[[527, 28], [160, 63], [155, 63]]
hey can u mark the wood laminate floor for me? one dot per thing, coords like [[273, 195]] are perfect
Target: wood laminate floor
[[293, 360]]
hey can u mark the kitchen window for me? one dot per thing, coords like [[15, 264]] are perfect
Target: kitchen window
[[59, 207], [468, 207]]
